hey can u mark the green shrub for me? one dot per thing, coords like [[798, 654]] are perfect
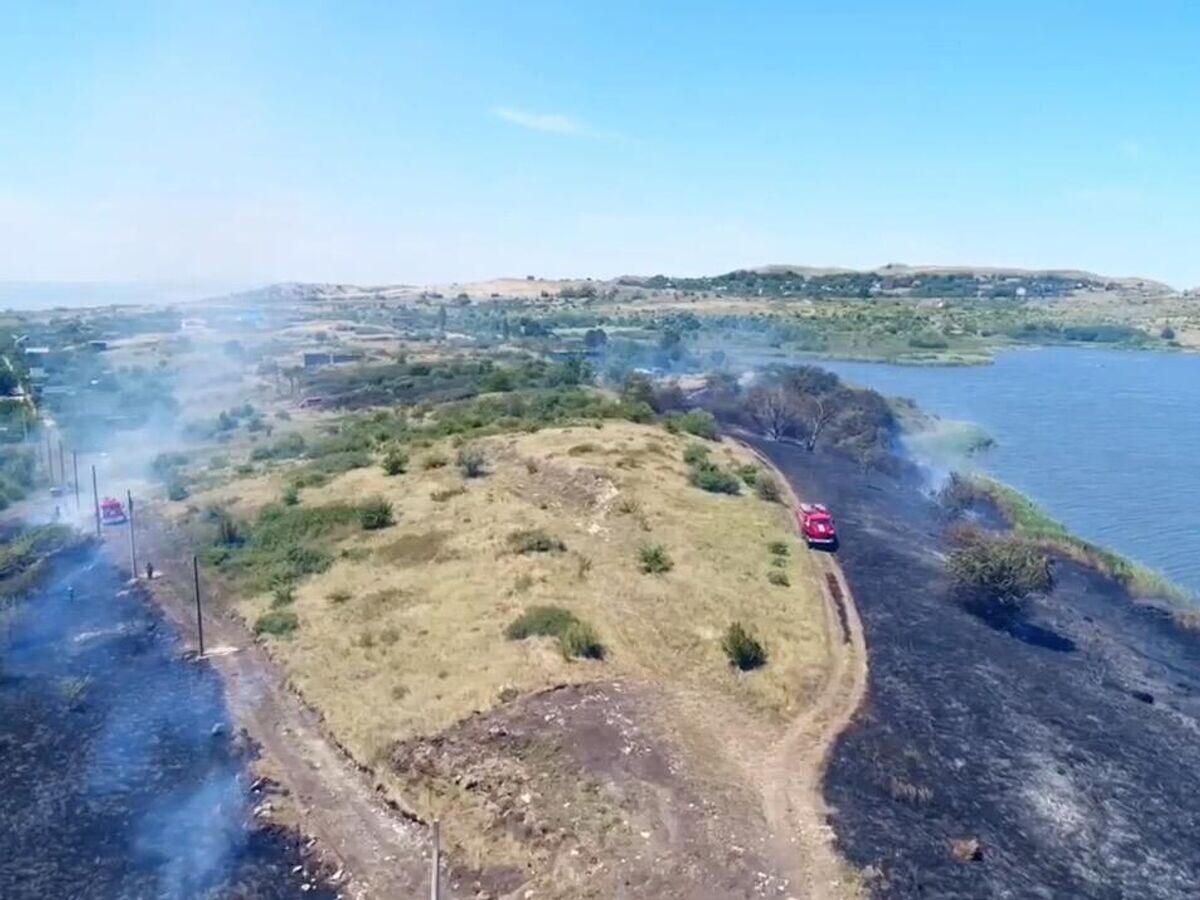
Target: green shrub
[[997, 573], [767, 488], [395, 461], [714, 479], [177, 491], [748, 473], [580, 640], [695, 454], [376, 513], [575, 638], [743, 650], [291, 495], [471, 462], [283, 594], [534, 540], [541, 621], [778, 578], [653, 560], [778, 548], [279, 622], [337, 463], [699, 422]]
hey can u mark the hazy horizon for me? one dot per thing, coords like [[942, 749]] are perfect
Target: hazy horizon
[[379, 143]]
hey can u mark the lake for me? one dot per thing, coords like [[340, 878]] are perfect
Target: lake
[[1106, 441]]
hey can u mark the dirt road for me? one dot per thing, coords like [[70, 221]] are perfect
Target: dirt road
[[791, 772]]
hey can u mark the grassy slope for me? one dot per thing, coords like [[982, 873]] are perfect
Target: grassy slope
[[418, 642]]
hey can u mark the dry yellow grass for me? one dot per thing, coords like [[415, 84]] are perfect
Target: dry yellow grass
[[406, 635]]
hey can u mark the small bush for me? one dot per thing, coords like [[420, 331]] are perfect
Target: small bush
[[177, 491], [291, 495], [748, 473], [447, 493], [715, 480], [767, 488], [653, 560], [471, 462], [283, 594], [278, 622], [575, 638], [376, 513], [699, 422], [395, 461], [229, 532], [534, 540], [778, 578], [341, 595], [743, 650], [541, 621], [778, 548], [434, 461], [695, 454], [996, 574], [580, 640]]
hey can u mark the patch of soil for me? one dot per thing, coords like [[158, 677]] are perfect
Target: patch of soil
[[1070, 783], [592, 798]]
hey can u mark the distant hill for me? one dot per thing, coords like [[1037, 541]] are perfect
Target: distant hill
[[902, 280]]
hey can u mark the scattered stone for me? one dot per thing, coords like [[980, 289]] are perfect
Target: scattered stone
[[966, 850]]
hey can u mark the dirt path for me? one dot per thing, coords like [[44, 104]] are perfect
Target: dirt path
[[789, 774], [378, 853]]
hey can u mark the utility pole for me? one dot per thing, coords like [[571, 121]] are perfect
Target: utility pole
[[435, 878], [96, 501], [49, 458], [75, 470], [62, 466], [199, 616], [132, 547]]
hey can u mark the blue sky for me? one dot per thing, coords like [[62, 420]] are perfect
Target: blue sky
[[382, 142]]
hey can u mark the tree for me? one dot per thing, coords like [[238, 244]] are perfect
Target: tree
[[773, 410], [441, 318], [815, 413], [595, 339], [638, 388]]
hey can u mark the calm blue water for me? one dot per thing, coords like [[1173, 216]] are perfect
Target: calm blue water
[[1106, 441]]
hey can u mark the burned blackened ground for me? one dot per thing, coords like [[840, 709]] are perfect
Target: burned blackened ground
[[1069, 749], [118, 774]]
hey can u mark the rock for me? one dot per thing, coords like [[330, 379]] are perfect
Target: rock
[[966, 850]]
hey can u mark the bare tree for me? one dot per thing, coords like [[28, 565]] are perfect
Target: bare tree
[[815, 413], [773, 410]]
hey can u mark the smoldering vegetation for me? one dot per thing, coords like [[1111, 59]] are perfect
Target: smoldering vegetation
[[121, 777], [1053, 755]]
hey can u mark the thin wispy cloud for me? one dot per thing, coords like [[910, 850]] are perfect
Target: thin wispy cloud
[[553, 123]]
